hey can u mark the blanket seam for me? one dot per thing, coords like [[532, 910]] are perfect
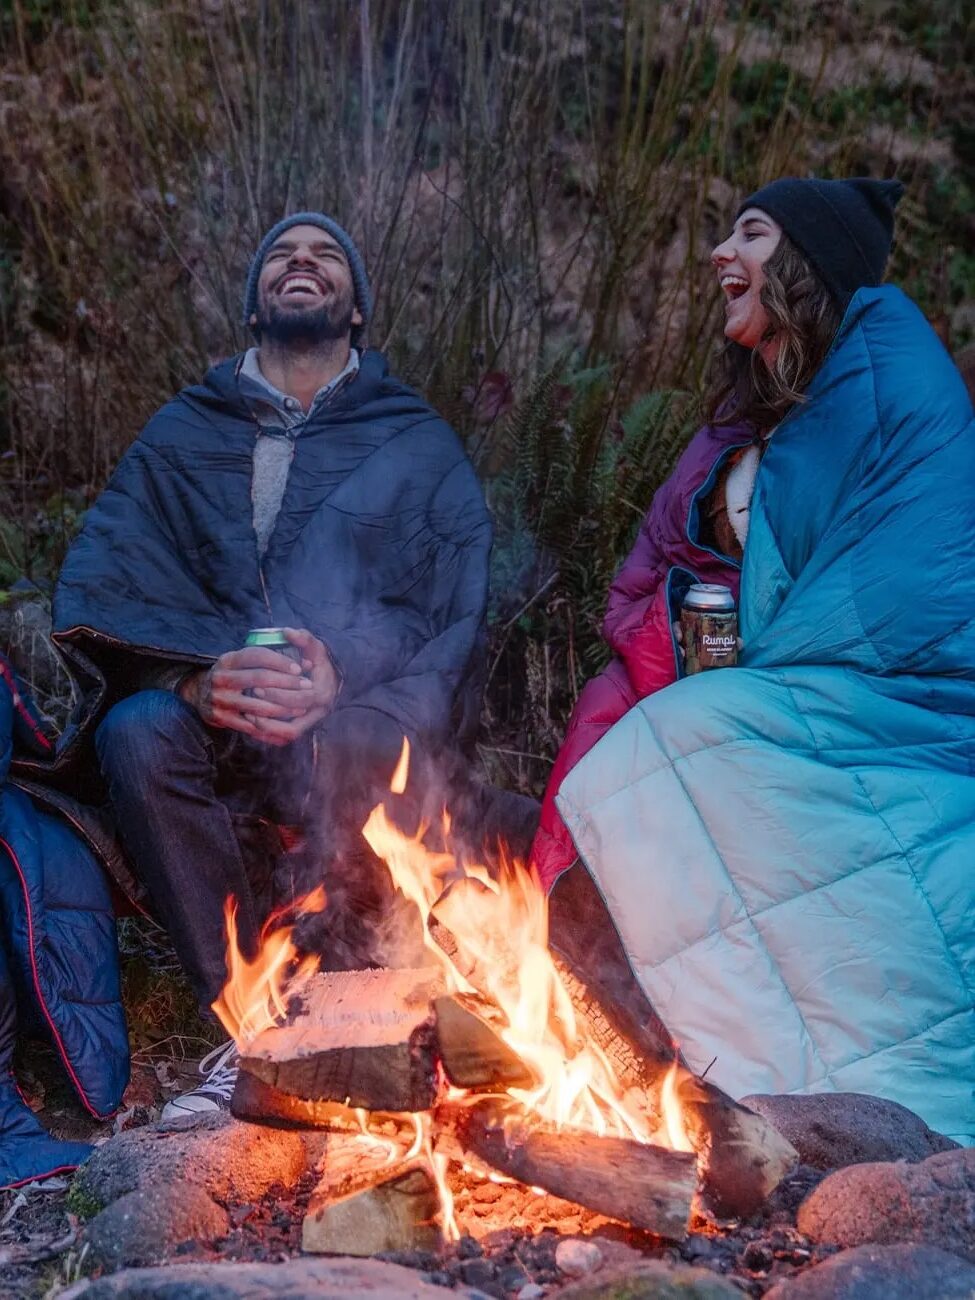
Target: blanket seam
[[878, 1051], [906, 856]]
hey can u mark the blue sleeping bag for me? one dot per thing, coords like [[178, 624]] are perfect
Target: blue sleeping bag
[[58, 958], [788, 847]]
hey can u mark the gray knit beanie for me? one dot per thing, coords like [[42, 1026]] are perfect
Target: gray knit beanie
[[360, 282]]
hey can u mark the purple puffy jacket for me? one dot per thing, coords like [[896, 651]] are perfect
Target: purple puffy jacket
[[638, 623]]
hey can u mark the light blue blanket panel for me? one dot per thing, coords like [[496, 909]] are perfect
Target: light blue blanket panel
[[788, 848]]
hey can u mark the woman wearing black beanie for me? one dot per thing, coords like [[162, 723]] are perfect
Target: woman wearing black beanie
[[786, 848], [798, 252]]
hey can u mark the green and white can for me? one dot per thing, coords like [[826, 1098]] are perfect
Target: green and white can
[[273, 638]]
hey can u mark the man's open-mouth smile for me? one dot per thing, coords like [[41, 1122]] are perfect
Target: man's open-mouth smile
[[300, 285]]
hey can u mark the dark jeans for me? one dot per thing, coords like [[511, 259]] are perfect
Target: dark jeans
[[180, 793]]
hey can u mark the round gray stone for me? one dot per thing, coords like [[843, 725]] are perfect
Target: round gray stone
[[298, 1279], [882, 1273], [231, 1160], [932, 1203], [653, 1280], [145, 1226], [833, 1129]]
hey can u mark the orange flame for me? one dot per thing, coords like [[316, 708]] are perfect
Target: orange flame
[[500, 927], [497, 928], [398, 784], [672, 1114], [256, 993]]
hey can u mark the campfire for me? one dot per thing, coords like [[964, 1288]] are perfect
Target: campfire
[[487, 1059]]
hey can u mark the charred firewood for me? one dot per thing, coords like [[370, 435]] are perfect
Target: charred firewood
[[592, 962], [648, 1187], [743, 1157], [366, 1038], [473, 1054]]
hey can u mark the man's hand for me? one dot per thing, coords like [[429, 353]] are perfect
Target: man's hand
[[301, 714], [264, 694]]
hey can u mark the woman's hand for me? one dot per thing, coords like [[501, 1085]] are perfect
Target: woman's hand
[[679, 641]]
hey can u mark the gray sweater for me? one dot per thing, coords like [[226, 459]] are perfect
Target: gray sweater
[[280, 419]]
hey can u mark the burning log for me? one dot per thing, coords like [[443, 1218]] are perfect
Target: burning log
[[649, 1187], [464, 895], [592, 964], [743, 1156], [472, 1053], [373, 1196], [259, 1102], [365, 1038], [396, 1214], [589, 960]]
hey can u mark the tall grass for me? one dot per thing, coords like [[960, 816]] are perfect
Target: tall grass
[[535, 185]]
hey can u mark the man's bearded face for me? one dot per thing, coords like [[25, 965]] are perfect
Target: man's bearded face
[[305, 292]]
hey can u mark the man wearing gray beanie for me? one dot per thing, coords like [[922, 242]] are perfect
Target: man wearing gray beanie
[[300, 487]]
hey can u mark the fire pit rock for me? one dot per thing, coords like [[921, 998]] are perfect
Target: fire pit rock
[[833, 1129], [577, 1258], [882, 1273], [145, 1226], [930, 1203], [654, 1280], [301, 1279], [230, 1160]]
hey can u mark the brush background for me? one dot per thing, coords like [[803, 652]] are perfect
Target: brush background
[[535, 185]]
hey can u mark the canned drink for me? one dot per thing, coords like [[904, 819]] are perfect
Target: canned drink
[[274, 639], [709, 623]]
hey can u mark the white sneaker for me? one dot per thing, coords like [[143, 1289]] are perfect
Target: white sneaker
[[220, 1070]]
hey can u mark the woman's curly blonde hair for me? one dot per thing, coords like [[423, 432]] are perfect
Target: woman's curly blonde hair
[[804, 316]]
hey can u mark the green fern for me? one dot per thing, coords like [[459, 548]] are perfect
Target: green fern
[[575, 484]]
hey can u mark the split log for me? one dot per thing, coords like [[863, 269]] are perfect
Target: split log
[[398, 1213], [648, 1187], [590, 961], [461, 896], [743, 1157], [365, 1038], [473, 1054], [260, 1103]]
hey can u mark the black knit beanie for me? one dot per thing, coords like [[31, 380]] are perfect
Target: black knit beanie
[[844, 228], [360, 281]]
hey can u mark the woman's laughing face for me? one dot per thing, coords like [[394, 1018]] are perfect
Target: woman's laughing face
[[740, 263]]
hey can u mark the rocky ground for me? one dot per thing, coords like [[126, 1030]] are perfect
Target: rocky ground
[[879, 1207]]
